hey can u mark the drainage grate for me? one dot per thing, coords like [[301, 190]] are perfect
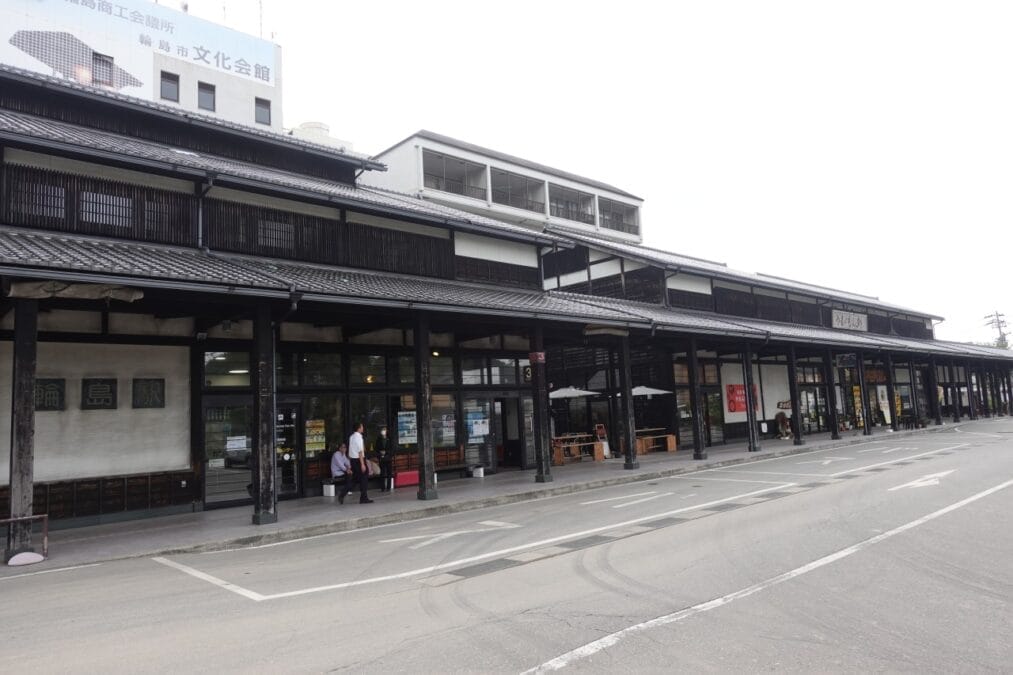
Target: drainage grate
[[665, 522], [879, 469], [775, 495], [723, 507], [485, 568], [585, 542]]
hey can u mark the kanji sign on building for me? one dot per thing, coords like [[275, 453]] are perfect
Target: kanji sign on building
[[50, 394], [98, 394], [149, 393]]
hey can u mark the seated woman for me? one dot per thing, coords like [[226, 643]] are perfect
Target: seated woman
[[783, 425]]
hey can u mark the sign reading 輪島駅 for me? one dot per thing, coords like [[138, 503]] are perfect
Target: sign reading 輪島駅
[[849, 320]]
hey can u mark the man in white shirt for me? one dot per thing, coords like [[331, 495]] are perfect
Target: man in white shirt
[[357, 456]]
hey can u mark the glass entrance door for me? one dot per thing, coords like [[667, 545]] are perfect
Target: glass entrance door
[[228, 444], [480, 424], [287, 449], [714, 416]]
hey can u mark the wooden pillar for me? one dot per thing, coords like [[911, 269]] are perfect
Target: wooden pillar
[[796, 409], [626, 402], [1004, 377], [752, 433], [934, 407], [22, 459], [265, 501], [540, 407], [863, 393], [828, 378], [915, 407], [972, 398], [890, 390], [424, 410], [954, 392], [696, 402], [996, 385], [986, 404]]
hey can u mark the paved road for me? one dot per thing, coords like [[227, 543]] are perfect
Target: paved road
[[882, 556]]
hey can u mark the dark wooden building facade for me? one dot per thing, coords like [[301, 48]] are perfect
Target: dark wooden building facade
[[190, 308]]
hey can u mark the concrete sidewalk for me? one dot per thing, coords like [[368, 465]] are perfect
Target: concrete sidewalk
[[222, 529]]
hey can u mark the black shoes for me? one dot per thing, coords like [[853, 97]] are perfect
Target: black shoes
[[366, 501], [341, 498]]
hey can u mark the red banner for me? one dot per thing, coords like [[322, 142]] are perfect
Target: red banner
[[735, 395]]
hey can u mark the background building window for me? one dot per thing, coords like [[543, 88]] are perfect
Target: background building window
[[262, 111], [170, 87], [206, 96], [102, 69]]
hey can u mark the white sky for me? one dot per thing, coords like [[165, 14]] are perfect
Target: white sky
[[859, 145]]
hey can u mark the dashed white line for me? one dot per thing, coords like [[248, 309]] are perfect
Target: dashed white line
[[58, 569], [615, 499], [641, 501], [612, 639]]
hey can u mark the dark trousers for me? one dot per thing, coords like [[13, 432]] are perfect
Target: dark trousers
[[361, 477], [345, 481], [387, 474]]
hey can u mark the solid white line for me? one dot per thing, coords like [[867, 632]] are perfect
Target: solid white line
[[238, 590], [781, 473], [897, 459], [975, 433], [732, 480], [641, 501], [614, 499], [878, 449], [513, 549], [600, 644], [59, 569]]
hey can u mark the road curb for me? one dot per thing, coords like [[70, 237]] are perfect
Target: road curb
[[337, 527]]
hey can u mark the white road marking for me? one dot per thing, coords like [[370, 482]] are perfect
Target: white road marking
[[975, 433], [887, 451], [614, 499], [501, 553], [612, 639], [730, 480], [430, 539], [827, 460], [641, 501], [59, 569], [688, 496], [221, 583], [924, 481], [897, 459]]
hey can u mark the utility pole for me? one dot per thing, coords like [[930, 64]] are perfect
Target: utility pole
[[998, 321]]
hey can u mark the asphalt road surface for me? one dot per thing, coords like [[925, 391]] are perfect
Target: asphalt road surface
[[874, 557]]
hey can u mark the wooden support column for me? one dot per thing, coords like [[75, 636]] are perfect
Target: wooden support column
[[863, 392], [915, 407], [996, 385], [265, 500], [934, 407], [972, 398], [1004, 377], [890, 390], [752, 433], [696, 402], [796, 408], [626, 403], [986, 404], [540, 407], [424, 410], [828, 378], [22, 459], [954, 392]]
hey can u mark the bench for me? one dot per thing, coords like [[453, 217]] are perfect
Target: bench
[[654, 440]]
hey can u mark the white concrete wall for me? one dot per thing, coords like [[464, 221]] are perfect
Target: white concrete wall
[[72, 166], [497, 250], [403, 172], [76, 443], [775, 388], [234, 94], [731, 373], [689, 282]]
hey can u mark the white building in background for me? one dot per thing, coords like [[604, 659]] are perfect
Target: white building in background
[[476, 179], [148, 51]]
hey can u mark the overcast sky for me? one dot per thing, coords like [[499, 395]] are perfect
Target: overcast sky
[[858, 145]]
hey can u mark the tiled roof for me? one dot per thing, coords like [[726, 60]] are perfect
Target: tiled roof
[[672, 261], [517, 161], [12, 73], [21, 125], [63, 255]]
